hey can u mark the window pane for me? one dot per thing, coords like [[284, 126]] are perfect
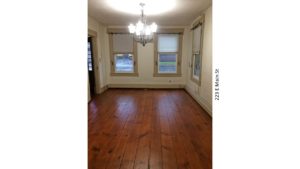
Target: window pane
[[89, 47], [196, 68], [90, 65], [167, 63], [124, 63], [168, 42]]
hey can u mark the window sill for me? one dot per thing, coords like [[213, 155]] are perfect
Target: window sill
[[166, 75], [124, 74]]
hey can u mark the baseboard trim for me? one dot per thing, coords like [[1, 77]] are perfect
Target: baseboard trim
[[203, 103], [102, 89], [149, 86]]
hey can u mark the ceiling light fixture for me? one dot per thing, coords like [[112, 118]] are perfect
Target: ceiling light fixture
[[142, 32]]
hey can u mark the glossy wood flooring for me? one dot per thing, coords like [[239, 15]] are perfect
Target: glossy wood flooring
[[148, 129]]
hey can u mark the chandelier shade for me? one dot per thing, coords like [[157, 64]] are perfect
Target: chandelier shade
[[142, 32]]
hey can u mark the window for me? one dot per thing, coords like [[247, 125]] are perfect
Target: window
[[124, 63], [196, 67], [168, 54], [197, 52], [123, 54], [90, 62]]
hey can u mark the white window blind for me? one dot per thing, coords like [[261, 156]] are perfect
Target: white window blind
[[122, 43], [168, 42], [196, 39]]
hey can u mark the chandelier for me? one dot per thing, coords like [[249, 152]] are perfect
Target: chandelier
[[142, 32]]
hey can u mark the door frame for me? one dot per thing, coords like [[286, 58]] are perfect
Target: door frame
[[94, 36]]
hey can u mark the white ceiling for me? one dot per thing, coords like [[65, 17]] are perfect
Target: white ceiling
[[182, 14]]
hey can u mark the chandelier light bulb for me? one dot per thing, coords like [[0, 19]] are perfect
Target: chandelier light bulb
[[139, 26], [148, 30], [131, 28], [153, 27]]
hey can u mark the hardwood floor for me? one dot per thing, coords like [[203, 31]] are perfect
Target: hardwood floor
[[148, 129]]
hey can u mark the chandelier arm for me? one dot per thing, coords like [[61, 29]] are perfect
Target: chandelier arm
[[144, 34]]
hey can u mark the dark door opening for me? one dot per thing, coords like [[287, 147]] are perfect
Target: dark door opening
[[90, 65]]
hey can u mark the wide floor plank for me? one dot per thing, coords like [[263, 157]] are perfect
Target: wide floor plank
[[148, 129]]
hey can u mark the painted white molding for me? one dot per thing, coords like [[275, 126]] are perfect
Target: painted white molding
[[203, 103], [151, 86], [103, 89]]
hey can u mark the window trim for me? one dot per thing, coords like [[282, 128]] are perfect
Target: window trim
[[197, 23], [178, 31], [110, 32]]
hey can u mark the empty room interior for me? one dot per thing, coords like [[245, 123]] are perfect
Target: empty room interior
[[149, 67]]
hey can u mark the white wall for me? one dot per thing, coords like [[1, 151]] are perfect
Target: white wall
[[146, 66], [100, 62], [203, 93]]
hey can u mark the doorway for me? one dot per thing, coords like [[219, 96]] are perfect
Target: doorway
[[90, 65]]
